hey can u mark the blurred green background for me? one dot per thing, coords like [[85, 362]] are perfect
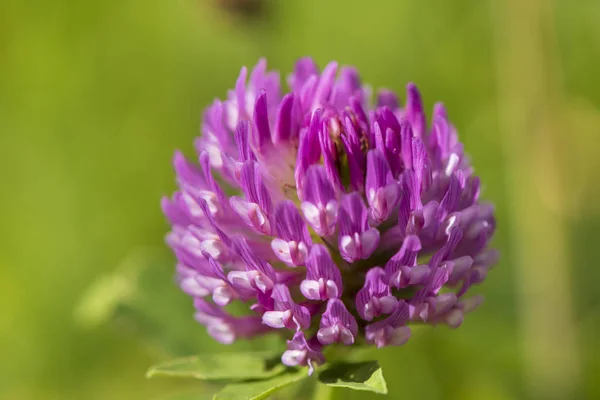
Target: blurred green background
[[96, 96]]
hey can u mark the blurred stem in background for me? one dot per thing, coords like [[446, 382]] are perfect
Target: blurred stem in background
[[529, 101]]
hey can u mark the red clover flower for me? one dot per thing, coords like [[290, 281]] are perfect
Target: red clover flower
[[335, 220]]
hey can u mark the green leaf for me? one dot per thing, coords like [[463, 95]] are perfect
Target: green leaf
[[358, 376], [222, 366], [260, 389]]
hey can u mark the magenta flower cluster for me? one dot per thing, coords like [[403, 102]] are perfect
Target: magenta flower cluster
[[334, 219]]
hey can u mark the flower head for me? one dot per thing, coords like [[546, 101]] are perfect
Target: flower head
[[335, 220]]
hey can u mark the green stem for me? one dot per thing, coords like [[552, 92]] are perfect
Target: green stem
[[323, 392]]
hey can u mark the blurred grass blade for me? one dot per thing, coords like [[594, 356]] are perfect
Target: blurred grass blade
[[141, 294], [100, 302], [102, 299]]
